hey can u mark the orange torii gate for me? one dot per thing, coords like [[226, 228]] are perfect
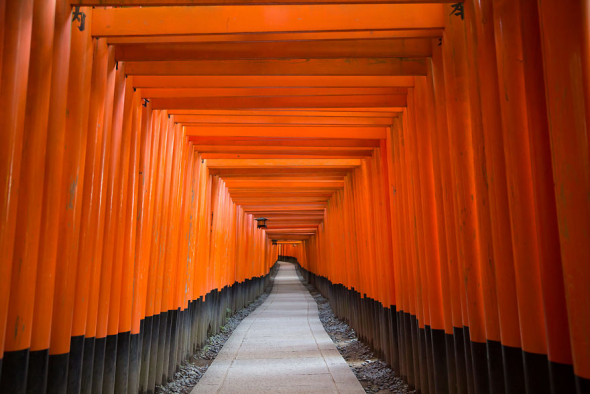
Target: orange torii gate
[[425, 163]]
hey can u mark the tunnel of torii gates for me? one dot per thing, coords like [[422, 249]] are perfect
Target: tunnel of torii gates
[[426, 165]]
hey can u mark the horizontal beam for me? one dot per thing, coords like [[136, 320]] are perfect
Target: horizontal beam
[[278, 102], [328, 67], [352, 110], [278, 184], [312, 142], [302, 230], [280, 193], [283, 120], [273, 216], [284, 163], [253, 193], [299, 230], [243, 81], [278, 149], [150, 21], [292, 113], [298, 210], [284, 155], [124, 3], [283, 190], [309, 36], [290, 207], [277, 171], [263, 200], [261, 92], [297, 226], [412, 47], [288, 132], [289, 236]]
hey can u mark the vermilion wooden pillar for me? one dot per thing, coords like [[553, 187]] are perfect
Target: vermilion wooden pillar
[[414, 308], [96, 256], [16, 50], [2, 16], [564, 31], [482, 26], [400, 247], [147, 251], [516, 129], [122, 121], [445, 212], [110, 225], [482, 198], [425, 117], [420, 266], [171, 260], [159, 345], [463, 166], [51, 204], [129, 258], [89, 213], [149, 372], [392, 202], [72, 184], [30, 192], [552, 281], [140, 324]]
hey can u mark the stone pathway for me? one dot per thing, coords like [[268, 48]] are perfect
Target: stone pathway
[[281, 347]]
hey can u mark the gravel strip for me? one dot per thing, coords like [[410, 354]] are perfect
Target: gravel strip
[[373, 374], [194, 368]]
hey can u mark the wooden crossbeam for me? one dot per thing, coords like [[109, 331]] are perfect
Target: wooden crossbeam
[[289, 113], [277, 140], [288, 132], [278, 102], [268, 81], [284, 37], [413, 47], [280, 184], [267, 92], [150, 21], [342, 66], [282, 120], [124, 3]]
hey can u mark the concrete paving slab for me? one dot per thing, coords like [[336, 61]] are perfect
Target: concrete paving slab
[[281, 347], [272, 354]]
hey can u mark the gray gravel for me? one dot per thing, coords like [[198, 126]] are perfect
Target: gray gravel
[[194, 368], [373, 374]]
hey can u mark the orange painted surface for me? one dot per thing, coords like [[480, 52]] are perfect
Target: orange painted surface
[[193, 2], [16, 46], [257, 92], [382, 66], [385, 48], [286, 132], [520, 182], [72, 186], [288, 37], [246, 19], [91, 195], [48, 241], [278, 81], [112, 191], [566, 69], [433, 157], [30, 189]]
